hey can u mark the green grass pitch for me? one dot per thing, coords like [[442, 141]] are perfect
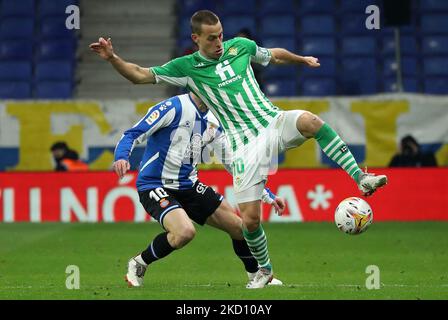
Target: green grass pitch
[[314, 260]]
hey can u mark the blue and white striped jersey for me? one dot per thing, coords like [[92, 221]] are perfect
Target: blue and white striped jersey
[[178, 136]]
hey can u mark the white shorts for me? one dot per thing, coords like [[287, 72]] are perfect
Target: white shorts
[[259, 158]]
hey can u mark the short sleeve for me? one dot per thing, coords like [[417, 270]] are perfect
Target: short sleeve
[[170, 72], [262, 56]]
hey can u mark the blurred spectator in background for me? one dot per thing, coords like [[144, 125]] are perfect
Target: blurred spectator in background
[[66, 159], [410, 155], [258, 68]]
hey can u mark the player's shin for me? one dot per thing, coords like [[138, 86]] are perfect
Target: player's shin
[[159, 248], [336, 149], [258, 245], [242, 251]]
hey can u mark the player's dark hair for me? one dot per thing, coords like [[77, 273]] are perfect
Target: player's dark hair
[[202, 17]]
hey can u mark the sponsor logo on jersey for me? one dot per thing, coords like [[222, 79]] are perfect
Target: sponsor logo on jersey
[[201, 188], [200, 64], [153, 117], [233, 51]]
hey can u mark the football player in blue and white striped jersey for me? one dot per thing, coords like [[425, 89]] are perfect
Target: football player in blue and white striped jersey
[[180, 132]]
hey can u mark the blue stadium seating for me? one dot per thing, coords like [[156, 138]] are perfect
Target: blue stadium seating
[[53, 27], [229, 7], [317, 25], [188, 7], [358, 76], [16, 28], [15, 89], [274, 7], [409, 66], [356, 6], [233, 24], [55, 8], [435, 45], [410, 84], [359, 46], [319, 87], [54, 90], [280, 71], [16, 50], [318, 46], [183, 44], [316, 6], [436, 85], [433, 5], [278, 25], [436, 66], [21, 8], [184, 28], [327, 68], [281, 88], [434, 23], [54, 70], [355, 24], [56, 49], [15, 70], [408, 45], [280, 42]]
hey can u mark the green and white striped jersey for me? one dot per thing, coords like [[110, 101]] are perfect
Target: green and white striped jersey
[[227, 86]]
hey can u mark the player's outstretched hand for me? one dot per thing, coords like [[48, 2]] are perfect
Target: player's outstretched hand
[[279, 205], [121, 167], [103, 48], [311, 62]]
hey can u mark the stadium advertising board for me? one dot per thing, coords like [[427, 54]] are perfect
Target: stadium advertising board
[[311, 195]]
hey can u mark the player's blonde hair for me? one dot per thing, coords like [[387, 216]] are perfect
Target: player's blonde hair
[[202, 17]]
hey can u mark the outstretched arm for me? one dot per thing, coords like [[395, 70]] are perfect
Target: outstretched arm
[[283, 56], [130, 71]]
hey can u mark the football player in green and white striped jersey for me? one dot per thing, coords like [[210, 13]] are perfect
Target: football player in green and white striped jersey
[[221, 75]]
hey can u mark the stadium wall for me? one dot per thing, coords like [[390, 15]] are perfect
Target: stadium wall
[[372, 127], [310, 194]]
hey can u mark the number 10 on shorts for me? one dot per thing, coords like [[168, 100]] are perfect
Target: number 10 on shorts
[[238, 166], [158, 194]]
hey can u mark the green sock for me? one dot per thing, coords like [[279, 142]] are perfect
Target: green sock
[[336, 149], [258, 245]]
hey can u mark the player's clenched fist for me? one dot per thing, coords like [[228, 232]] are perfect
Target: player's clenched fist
[[103, 48], [121, 167]]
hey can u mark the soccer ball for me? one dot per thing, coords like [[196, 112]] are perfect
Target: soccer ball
[[353, 215]]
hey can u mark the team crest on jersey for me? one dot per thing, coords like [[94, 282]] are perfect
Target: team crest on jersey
[[164, 203], [153, 117], [233, 51]]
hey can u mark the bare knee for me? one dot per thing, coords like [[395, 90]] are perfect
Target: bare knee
[[183, 236], [250, 214], [250, 221], [309, 124]]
